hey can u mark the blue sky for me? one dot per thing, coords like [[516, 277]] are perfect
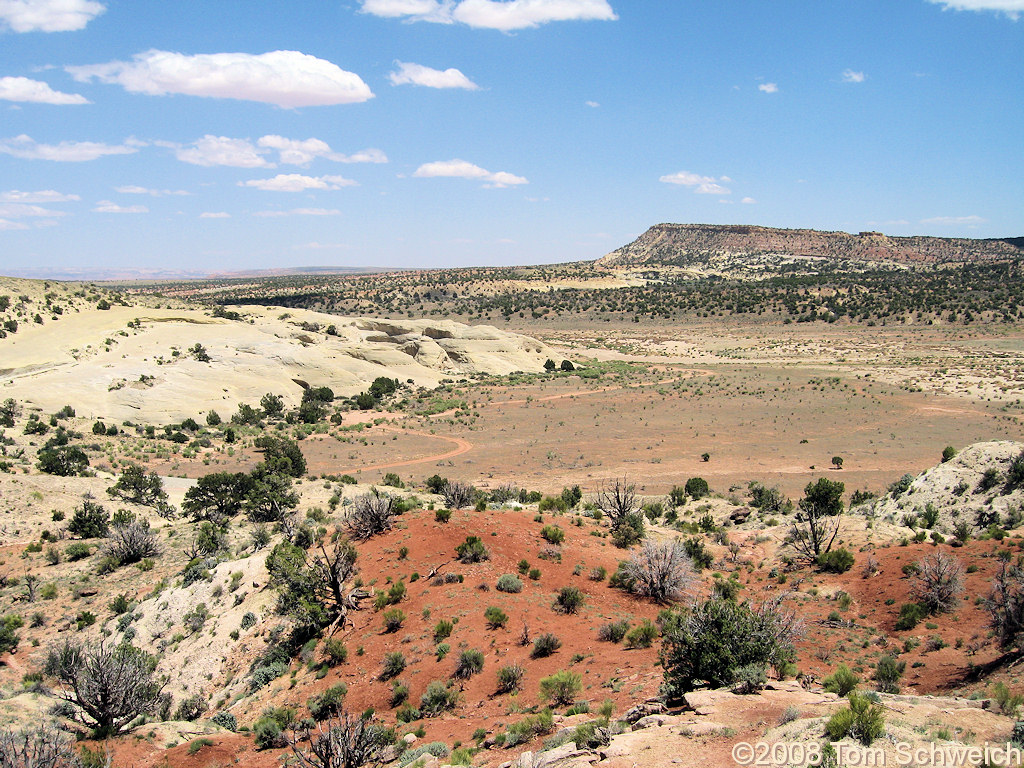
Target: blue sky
[[239, 134]]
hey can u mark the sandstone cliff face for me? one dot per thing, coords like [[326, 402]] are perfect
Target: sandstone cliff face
[[687, 244]]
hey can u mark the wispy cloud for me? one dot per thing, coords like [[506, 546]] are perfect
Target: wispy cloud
[[48, 15], [507, 15], [22, 211], [460, 169], [287, 79], [35, 91], [305, 151], [28, 148], [954, 221], [108, 206], [852, 76], [43, 196], [702, 185], [299, 212], [10, 226], [768, 88], [214, 215], [296, 182], [132, 189], [1012, 8], [417, 74], [748, 201]]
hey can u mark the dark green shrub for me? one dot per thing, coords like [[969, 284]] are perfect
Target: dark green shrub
[[442, 630], [472, 550], [841, 682], [836, 560], [642, 636], [438, 699], [862, 720], [89, 521], [910, 615], [888, 674], [696, 488], [329, 703], [495, 617], [470, 662], [394, 664], [561, 688], [544, 645], [510, 678], [553, 534], [714, 638], [569, 600]]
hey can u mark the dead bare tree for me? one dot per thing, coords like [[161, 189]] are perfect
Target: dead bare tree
[[1005, 602], [660, 571], [342, 741], [371, 514], [939, 582], [617, 501], [457, 495], [40, 747], [109, 686]]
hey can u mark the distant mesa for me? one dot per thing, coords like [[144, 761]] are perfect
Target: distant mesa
[[686, 245]]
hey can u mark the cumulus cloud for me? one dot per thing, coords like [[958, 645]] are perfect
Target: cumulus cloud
[[702, 185], [300, 212], [954, 221], [748, 201], [214, 215], [108, 206], [296, 182], [460, 169], [305, 151], [592, 104], [35, 91], [27, 148], [768, 88], [288, 79], [43, 196], [852, 76], [1012, 8], [417, 74], [48, 15], [221, 150], [504, 15], [133, 189]]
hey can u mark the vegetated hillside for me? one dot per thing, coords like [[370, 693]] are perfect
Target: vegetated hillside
[[685, 245], [223, 601]]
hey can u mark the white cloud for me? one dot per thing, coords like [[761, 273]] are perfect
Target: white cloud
[[851, 76], [702, 185], [108, 206], [214, 215], [506, 15], [593, 104], [48, 15], [35, 91], [21, 211], [288, 79], [417, 74], [954, 221], [221, 150], [132, 189], [43, 196], [27, 148], [1012, 8], [460, 169], [10, 226], [413, 10], [748, 201], [305, 151], [768, 88], [300, 212], [296, 182]]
